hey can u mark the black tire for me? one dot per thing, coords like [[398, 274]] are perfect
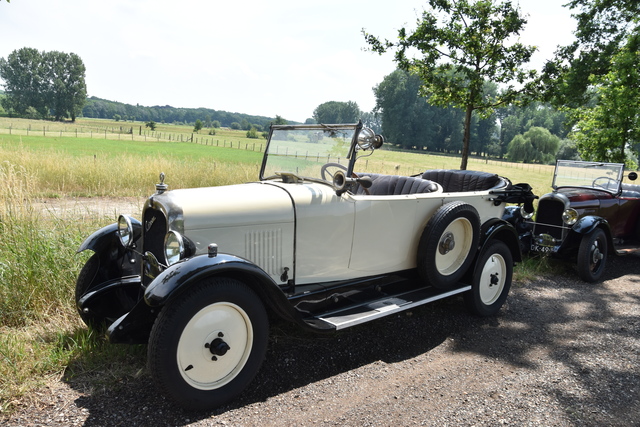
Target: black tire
[[592, 255], [491, 280], [85, 278], [448, 244], [207, 344]]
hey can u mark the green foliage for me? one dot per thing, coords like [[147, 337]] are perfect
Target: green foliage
[[198, 126], [603, 27], [151, 125], [252, 133], [117, 117], [568, 150], [105, 109], [462, 44], [280, 120], [235, 126], [46, 81], [607, 130], [537, 145], [333, 112]]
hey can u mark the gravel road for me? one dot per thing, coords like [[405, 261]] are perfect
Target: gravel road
[[560, 353]]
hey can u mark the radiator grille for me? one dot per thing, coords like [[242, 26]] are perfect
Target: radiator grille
[[549, 218]]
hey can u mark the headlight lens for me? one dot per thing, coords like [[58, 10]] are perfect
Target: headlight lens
[[125, 231], [173, 247], [570, 216], [524, 214]]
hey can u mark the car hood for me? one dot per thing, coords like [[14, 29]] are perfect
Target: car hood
[[580, 197], [226, 206]]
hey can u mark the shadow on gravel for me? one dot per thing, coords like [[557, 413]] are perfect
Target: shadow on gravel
[[295, 358], [588, 332]]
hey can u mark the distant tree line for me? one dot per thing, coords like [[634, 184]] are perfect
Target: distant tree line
[[104, 109], [43, 84]]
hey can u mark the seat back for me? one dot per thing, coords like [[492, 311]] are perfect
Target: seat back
[[454, 181], [393, 185]]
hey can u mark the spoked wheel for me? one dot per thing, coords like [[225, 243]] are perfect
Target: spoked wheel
[[491, 280], [448, 244], [592, 255], [207, 345]]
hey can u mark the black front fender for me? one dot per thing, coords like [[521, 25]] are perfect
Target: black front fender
[[181, 276], [502, 230]]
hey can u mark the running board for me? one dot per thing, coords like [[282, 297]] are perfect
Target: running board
[[355, 315]]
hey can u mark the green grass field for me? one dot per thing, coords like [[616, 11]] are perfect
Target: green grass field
[[41, 335]]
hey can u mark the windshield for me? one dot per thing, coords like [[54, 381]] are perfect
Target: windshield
[[304, 150], [602, 176]]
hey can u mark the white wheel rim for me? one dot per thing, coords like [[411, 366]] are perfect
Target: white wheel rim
[[492, 279], [451, 260], [203, 369]]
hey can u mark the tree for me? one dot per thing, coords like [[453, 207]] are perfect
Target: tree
[[603, 27], [198, 126], [537, 145], [606, 130], [151, 125], [25, 85], [46, 81], [334, 112], [67, 89], [462, 44]]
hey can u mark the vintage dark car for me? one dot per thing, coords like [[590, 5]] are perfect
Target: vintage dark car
[[589, 214], [315, 241]]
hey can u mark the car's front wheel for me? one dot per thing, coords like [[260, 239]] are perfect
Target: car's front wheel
[[207, 344], [592, 255], [491, 280]]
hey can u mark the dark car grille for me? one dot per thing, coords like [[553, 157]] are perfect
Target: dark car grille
[[549, 218], [154, 228]]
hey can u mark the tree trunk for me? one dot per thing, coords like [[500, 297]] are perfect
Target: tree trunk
[[466, 137]]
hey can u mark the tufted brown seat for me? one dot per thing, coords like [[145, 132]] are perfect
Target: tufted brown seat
[[453, 180], [393, 185]]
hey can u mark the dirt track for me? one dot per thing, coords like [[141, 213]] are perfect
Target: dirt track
[[561, 353]]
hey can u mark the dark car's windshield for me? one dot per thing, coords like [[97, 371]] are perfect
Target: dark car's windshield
[[303, 150], [601, 176]]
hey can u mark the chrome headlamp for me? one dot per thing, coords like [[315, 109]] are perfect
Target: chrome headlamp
[[524, 214], [367, 139], [174, 247], [570, 216], [125, 231]]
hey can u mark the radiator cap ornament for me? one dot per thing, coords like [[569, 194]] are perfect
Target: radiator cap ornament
[[161, 187]]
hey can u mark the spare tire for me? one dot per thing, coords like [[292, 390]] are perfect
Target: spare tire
[[448, 244]]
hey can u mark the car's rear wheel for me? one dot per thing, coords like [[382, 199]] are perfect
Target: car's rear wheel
[[207, 344], [491, 280], [592, 255], [448, 244]]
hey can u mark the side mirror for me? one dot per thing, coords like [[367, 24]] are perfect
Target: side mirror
[[341, 182], [632, 176]]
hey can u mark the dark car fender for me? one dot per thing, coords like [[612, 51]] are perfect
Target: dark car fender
[[500, 229], [181, 276], [115, 260], [496, 229], [583, 226]]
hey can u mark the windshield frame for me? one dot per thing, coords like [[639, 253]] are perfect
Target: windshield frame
[[590, 172], [350, 156]]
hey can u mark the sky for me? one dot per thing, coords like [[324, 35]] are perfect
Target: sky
[[265, 58]]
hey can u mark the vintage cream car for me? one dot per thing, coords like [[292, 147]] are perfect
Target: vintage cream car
[[315, 241]]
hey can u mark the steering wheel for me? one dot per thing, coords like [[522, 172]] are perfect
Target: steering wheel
[[606, 185], [324, 170]]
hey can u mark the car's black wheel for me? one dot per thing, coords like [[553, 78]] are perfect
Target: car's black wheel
[[85, 278], [207, 344], [491, 280], [448, 244], [592, 255]]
